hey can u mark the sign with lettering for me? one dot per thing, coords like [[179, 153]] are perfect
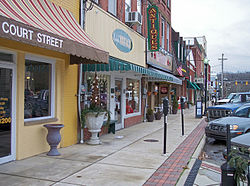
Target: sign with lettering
[[153, 28], [4, 111], [160, 60], [28, 34], [122, 40]]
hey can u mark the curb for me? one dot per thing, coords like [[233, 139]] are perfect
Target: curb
[[193, 158]]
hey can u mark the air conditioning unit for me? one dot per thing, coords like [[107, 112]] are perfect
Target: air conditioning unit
[[133, 17]]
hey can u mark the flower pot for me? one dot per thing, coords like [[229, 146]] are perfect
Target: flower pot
[[53, 138], [158, 115], [94, 122], [174, 111], [150, 118]]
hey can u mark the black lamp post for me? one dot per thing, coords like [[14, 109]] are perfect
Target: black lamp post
[[206, 64]]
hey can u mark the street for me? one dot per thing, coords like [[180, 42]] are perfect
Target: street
[[213, 150]]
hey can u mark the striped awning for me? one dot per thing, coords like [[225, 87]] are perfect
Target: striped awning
[[170, 78], [43, 24], [191, 85], [198, 88], [120, 65]]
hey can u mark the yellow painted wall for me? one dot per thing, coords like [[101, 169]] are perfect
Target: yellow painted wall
[[31, 140], [100, 26], [72, 5]]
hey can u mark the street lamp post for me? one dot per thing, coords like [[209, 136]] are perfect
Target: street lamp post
[[206, 64]]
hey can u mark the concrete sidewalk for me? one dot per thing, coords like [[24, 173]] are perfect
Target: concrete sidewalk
[[123, 159]]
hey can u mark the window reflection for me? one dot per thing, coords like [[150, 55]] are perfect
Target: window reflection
[[132, 96], [37, 96]]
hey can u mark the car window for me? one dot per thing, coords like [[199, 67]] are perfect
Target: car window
[[241, 98], [242, 112], [231, 96]]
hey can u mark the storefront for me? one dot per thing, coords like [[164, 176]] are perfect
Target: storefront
[[122, 87], [161, 62], [120, 80], [39, 44]]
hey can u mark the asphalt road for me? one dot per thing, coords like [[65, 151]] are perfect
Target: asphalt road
[[214, 151]]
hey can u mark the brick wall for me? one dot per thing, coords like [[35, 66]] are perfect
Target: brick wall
[[128, 122], [73, 6]]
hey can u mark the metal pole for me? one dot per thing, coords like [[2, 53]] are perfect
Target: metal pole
[[222, 78], [205, 109], [222, 82], [165, 134], [228, 143], [182, 122]]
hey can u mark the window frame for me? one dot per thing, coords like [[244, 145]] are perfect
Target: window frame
[[114, 3], [163, 30], [168, 37], [51, 61]]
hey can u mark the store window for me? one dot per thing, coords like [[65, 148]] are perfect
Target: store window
[[132, 96], [39, 89], [104, 88]]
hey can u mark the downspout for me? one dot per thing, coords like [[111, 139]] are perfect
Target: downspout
[[146, 60], [80, 81]]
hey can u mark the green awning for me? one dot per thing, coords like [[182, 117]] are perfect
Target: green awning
[[198, 88], [120, 65], [191, 85]]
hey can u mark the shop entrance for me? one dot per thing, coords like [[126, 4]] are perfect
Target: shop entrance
[[7, 137], [118, 103]]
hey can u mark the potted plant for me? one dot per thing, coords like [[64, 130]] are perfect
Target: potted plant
[[174, 105], [93, 117], [149, 93], [240, 164], [150, 115], [158, 115]]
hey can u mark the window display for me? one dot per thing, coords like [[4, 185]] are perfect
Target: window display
[[132, 96], [37, 94], [104, 87]]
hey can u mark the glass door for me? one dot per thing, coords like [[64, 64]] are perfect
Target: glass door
[[118, 105], [6, 115]]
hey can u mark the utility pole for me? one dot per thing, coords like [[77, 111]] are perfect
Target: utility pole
[[222, 59]]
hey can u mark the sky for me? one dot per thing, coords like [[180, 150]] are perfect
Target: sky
[[226, 25]]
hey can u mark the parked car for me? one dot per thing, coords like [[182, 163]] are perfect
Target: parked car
[[239, 123], [226, 100], [37, 105], [219, 111]]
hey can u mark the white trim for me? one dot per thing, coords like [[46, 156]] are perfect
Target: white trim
[[52, 62], [11, 66]]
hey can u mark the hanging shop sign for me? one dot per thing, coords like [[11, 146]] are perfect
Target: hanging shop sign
[[153, 28], [122, 40]]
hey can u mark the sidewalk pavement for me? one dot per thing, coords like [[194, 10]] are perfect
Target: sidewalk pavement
[[133, 156]]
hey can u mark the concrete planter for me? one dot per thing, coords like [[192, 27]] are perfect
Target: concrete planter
[[53, 138], [94, 124]]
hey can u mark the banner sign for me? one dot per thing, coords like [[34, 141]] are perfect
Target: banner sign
[[153, 28]]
